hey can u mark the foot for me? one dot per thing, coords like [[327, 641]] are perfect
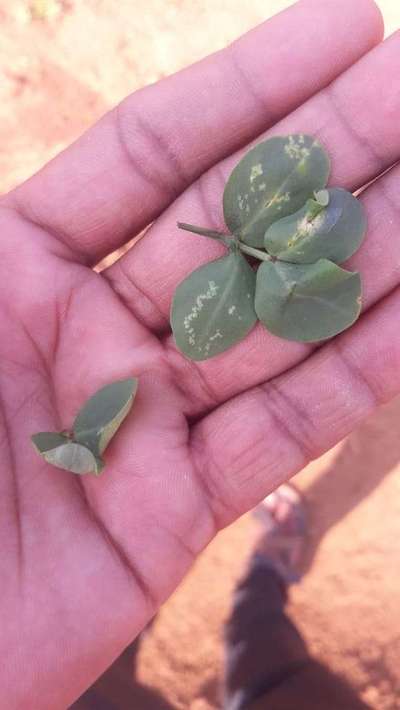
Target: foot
[[282, 544]]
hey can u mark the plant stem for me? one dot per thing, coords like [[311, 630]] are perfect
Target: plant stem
[[225, 238], [257, 253]]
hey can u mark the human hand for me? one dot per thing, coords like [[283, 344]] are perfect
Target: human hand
[[86, 561]]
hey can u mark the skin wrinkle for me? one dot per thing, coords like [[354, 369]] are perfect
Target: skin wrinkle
[[15, 494], [203, 407], [20, 366], [188, 404], [119, 266], [246, 80], [118, 549], [61, 318], [350, 127], [202, 466], [304, 421], [190, 552], [46, 370], [179, 366], [355, 373], [158, 146], [251, 462], [148, 339], [15, 204], [292, 420], [60, 251], [381, 185], [31, 397], [222, 494], [210, 183], [46, 366], [163, 145]]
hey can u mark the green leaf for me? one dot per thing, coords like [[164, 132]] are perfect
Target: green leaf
[[47, 440], [273, 180], [307, 303], [315, 232], [63, 453], [213, 308], [103, 414]]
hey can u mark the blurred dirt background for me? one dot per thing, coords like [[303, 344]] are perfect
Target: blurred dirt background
[[62, 64]]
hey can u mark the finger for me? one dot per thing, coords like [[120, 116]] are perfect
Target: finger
[[259, 439], [121, 174], [347, 117]]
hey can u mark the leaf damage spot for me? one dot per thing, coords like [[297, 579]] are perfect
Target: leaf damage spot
[[256, 171], [211, 339], [243, 201], [296, 149], [196, 310], [307, 227]]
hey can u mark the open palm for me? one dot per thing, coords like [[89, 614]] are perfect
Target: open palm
[[87, 561]]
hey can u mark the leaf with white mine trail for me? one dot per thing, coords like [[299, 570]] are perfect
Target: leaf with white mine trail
[[273, 180], [307, 302], [316, 231], [213, 308]]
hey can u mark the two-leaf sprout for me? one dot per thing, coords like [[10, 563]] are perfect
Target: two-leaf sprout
[[279, 212], [81, 450]]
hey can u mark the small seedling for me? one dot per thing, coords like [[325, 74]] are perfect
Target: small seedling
[[279, 212], [81, 450]]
